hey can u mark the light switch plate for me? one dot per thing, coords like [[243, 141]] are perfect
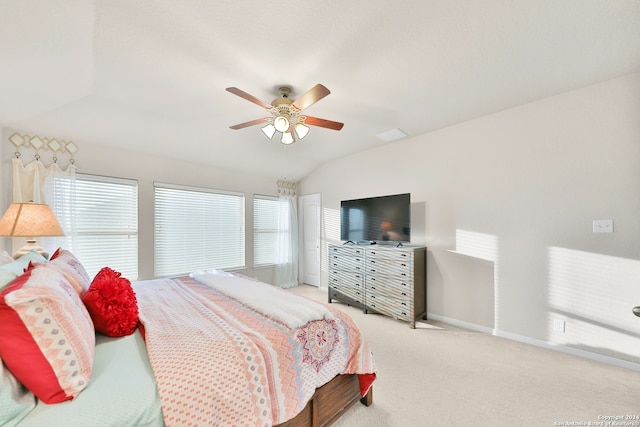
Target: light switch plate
[[603, 226]]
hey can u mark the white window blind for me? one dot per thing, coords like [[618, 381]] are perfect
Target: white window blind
[[197, 229], [104, 214], [265, 230]]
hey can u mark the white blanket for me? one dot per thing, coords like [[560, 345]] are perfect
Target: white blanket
[[267, 299]]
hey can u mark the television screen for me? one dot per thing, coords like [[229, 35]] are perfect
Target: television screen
[[376, 219]]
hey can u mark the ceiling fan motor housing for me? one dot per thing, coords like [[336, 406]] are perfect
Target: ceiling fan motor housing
[[282, 106]]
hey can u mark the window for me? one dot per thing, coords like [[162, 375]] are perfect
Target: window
[[197, 229], [102, 213], [265, 230], [355, 221]]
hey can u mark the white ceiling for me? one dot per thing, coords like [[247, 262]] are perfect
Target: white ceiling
[[150, 75]]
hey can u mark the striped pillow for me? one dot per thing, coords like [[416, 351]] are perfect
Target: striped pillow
[[47, 338], [66, 263]]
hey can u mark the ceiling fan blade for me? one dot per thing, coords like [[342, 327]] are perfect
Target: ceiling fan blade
[[312, 96], [248, 97], [315, 121], [251, 123]]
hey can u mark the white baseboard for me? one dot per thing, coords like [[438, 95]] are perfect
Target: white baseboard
[[460, 323], [539, 343]]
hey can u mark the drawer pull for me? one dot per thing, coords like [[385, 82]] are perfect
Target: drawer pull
[[404, 294], [373, 287], [404, 274], [403, 303], [403, 264]]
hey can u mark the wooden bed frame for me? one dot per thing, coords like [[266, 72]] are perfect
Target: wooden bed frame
[[330, 402]]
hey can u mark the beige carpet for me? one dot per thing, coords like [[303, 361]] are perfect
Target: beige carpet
[[441, 375]]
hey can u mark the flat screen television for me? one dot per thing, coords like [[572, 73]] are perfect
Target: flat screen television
[[376, 219]]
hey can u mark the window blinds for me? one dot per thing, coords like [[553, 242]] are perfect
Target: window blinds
[[104, 212], [197, 229], [265, 230]]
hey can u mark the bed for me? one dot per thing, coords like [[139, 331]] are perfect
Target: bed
[[212, 348]]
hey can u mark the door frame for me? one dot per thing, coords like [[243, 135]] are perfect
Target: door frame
[[301, 228]]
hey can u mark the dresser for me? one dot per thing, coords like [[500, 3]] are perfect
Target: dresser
[[383, 278]]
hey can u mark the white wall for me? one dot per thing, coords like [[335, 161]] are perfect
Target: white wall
[[94, 159], [516, 193]]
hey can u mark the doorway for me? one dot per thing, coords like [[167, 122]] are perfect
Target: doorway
[[310, 207]]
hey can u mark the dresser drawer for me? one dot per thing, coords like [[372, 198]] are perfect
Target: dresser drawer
[[389, 254], [390, 307], [393, 264], [395, 286], [346, 251], [353, 262], [345, 278], [399, 293], [353, 293], [395, 270]]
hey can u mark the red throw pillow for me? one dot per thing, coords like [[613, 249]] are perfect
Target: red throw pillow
[[112, 304]]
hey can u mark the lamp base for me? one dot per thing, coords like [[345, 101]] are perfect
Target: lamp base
[[31, 245]]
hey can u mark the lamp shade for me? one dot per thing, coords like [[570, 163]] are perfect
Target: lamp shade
[[29, 220]]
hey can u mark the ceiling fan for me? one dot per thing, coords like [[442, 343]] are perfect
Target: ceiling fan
[[286, 114]]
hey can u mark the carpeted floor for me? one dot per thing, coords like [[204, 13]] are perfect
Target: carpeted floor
[[441, 375]]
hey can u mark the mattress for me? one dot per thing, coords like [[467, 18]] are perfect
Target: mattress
[[122, 372]]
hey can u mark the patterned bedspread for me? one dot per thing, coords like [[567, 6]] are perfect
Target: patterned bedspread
[[218, 361]]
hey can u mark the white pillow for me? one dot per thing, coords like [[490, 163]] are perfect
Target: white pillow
[[17, 266], [5, 258], [15, 400]]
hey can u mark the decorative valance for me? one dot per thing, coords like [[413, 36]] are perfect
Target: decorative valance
[[286, 188], [57, 147]]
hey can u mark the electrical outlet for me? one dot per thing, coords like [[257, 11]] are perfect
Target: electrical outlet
[[558, 325], [603, 226]]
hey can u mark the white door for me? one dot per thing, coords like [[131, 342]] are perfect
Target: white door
[[310, 209]]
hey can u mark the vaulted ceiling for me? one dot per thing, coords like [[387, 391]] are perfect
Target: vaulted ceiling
[[150, 75]]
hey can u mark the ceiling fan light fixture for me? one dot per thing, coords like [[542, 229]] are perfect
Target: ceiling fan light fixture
[[269, 130], [301, 130], [281, 123], [286, 114], [287, 138]]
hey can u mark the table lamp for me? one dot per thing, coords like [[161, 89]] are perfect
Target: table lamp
[[30, 220]]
